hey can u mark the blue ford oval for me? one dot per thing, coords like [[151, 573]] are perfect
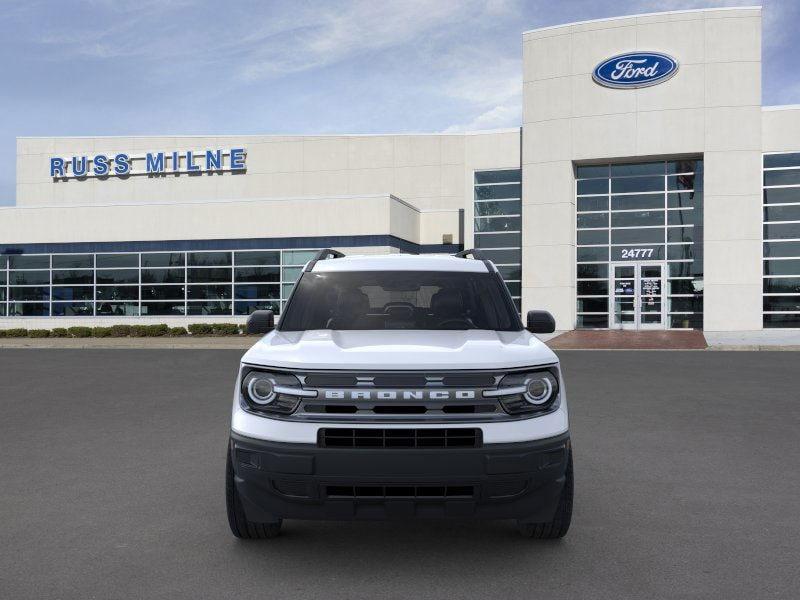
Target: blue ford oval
[[635, 70]]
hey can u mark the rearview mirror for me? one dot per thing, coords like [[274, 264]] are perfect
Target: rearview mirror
[[540, 321], [261, 322]]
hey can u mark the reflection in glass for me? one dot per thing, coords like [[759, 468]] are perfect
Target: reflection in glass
[[73, 261], [29, 261], [118, 276], [208, 259], [495, 192], [73, 292], [115, 261], [63, 277], [164, 259], [73, 309]]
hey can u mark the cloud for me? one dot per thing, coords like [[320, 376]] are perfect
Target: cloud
[[497, 117], [335, 34]]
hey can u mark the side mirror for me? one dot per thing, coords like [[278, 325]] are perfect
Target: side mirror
[[540, 321], [261, 322]]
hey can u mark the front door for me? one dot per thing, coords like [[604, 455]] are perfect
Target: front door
[[637, 295]]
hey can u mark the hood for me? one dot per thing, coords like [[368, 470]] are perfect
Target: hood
[[391, 350]]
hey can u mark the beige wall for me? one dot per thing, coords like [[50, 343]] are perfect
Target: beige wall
[[426, 170], [276, 218], [432, 174], [781, 128], [712, 106]]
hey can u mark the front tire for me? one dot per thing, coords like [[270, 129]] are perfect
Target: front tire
[[240, 526], [558, 527]]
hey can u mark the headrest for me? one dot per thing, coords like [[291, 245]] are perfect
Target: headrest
[[447, 303], [354, 302]]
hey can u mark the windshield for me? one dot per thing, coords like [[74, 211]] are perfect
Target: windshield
[[428, 300]]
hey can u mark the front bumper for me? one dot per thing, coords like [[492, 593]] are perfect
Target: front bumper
[[521, 480]]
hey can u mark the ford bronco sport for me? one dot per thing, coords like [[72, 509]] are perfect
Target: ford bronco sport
[[397, 387]]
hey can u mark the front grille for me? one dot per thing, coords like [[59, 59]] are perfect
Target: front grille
[[330, 380], [400, 409], [399, 438], [419, 492]]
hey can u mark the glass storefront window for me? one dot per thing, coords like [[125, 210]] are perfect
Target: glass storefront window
[[781, 248], [81, 292], [73, 277], [117, 261], [163, 276], [163, 292], [29, 261], [212, 275], [256, 258], [73, 261], [163, 259], [117, 276], [29, 277], [208, 292], [155, 283], [298, 257], [208, 259], [73, 309], [498, 222], [638, 213]]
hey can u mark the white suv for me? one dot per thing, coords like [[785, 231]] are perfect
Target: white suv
[[399, 386]]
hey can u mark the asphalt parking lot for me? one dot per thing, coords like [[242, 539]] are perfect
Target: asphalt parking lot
[[111, 486]]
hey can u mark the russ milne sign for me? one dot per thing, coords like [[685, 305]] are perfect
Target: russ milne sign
[[151, 163], [635, 70]]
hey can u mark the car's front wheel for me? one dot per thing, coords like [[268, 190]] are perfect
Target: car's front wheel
[[241, 527], [558, 527]]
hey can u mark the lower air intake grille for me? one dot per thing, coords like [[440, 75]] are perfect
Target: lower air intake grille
[[400, 438], [431, 492]]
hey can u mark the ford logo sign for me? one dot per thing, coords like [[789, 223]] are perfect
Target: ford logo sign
[[635, 70]]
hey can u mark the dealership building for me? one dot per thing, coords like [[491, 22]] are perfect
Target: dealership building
[[646, 188]]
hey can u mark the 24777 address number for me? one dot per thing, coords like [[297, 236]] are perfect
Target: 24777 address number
[[637, 252]]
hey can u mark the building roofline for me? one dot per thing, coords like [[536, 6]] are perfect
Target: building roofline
[[215, 201], [651, 14], [264, 135], [781, 107]]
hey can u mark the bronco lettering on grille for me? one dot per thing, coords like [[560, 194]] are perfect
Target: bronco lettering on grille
[[399, 394]]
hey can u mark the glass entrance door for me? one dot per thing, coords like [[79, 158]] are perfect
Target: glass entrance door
[[637, 295]]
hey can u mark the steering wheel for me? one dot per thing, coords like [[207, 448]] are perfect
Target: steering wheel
[[467, 322]]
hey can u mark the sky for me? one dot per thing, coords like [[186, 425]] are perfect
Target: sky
[[171, 67]]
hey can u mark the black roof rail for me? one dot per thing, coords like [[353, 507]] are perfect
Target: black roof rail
[[323, 254], [474, 252], [477, 255]]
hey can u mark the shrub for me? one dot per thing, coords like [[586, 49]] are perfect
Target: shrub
[[38, 333], [2, 333], [17, 332], [201, 329], [80, 332], [120, 330], [59, 332], [149, 330], [157, 330], [101, 332], [177, 331], [224, 329]]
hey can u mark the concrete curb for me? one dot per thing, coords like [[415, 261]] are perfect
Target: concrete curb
[[755, 347], [245, 342], [185, 343]]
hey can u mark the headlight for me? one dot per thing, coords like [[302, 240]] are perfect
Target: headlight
[[528, 392], [272, 392], [261, 388], [539, 389]]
